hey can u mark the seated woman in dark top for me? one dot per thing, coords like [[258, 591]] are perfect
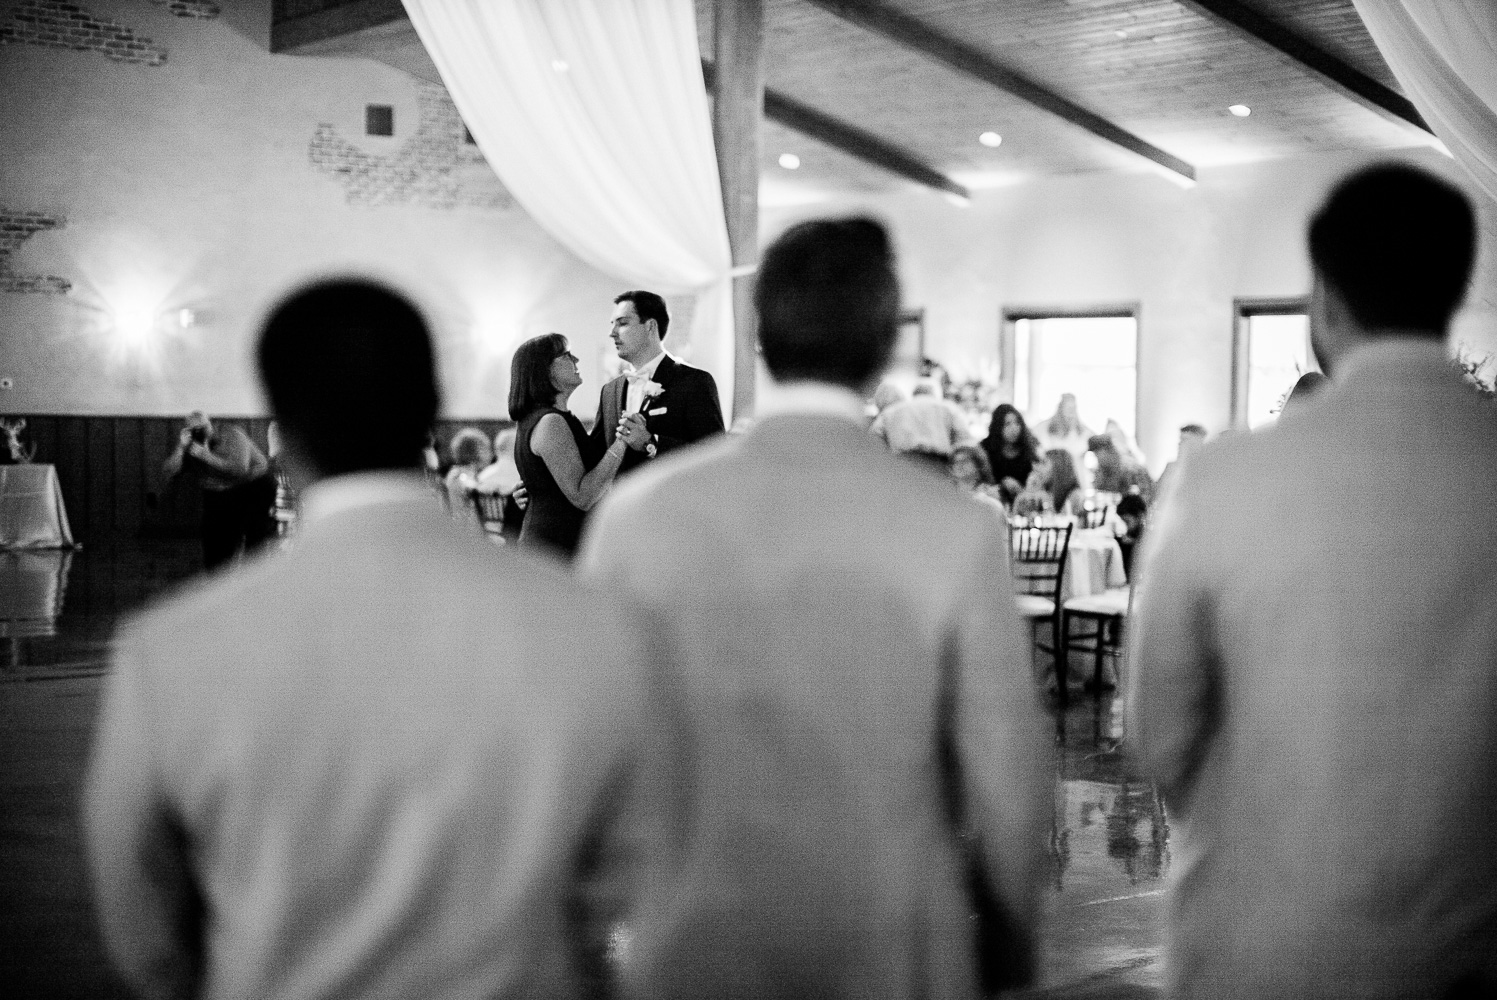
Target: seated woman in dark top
[[1011, 450], [563, 472]]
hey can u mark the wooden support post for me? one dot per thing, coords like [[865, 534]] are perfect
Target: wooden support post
[[736, 113]]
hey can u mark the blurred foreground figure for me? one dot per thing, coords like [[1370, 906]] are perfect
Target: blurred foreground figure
[[390, 762], [1316, 645], [841, 657]]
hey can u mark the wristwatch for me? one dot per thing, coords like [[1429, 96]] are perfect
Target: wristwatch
[[650, 449]]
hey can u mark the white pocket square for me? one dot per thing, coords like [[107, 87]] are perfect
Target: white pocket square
[[655, 413]]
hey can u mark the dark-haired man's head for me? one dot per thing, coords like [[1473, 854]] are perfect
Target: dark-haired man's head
[[640, 321], [1105, 450], [1391, 250], [828, 303], [351, 377]]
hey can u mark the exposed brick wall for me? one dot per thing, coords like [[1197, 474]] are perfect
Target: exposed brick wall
[[57, 25], [191, 8], [15, 228], [429, 169]]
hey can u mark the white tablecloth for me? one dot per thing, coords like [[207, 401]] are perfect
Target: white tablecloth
[[1094, 564], [32, 515]]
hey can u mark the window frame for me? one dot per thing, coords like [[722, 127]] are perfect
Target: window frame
[[1243, 309], [1008, 337]]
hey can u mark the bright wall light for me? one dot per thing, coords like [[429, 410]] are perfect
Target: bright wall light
[[135, 322], [991, 139], [1240, 110], [790, 161]]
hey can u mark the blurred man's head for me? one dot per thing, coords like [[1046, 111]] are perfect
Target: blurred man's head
[[1391, 251], [828, 303], [200, 426], [349, 371]]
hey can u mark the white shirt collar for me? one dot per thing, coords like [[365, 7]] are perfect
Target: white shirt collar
[[337, 495], [820, 399], [648, 368]]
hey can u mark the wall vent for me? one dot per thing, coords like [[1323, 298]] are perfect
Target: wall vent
[[379, 119]]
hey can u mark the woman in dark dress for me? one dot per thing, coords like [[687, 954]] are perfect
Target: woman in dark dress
[[563, 472], [1011, 450]]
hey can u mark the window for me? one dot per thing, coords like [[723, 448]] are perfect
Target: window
[[379, 119], [1271, 351], [1093, 355]]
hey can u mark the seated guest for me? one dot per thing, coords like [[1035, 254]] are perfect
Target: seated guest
[[924, 427], [563, 472], [1064, 430], [1126, 446], [503, 478], [1011, 449], [470, 453], [1132, 512], [1115, 473], [1192, 439], [1061, 483], [970, 470], [341, 773]]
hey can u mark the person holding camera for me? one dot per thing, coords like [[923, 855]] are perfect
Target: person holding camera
[[237, 484]]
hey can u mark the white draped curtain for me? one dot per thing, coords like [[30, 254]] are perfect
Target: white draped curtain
[[594, 114], [1444, 53]]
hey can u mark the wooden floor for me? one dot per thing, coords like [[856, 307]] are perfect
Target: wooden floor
[[1110, 840]]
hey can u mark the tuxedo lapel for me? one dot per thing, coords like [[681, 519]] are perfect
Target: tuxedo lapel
[[621, 397]]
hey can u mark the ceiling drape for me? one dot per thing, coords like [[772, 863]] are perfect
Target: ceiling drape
[[1445, 55], [595, 116]]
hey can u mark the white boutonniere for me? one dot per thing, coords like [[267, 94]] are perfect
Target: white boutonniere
[[652, 389]]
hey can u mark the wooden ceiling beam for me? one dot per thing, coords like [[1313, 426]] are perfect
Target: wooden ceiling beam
[[295, 34], [1342, 77], [907, 31], [849, 139]]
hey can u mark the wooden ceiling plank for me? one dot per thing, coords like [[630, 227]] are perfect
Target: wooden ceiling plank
[[905, 30], [848, 138], [296, 34], [1345, 78]]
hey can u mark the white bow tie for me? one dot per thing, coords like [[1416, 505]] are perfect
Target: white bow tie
[[637, 377]]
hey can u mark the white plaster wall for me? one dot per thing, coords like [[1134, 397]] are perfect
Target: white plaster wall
[[1182, 255], [189, 186]]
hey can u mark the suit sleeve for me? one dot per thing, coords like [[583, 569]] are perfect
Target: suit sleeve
[[704, 413], [149, 908], [1002, 747], [1173, 689]]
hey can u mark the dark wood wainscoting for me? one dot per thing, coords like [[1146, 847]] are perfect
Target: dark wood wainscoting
[[110, 470]]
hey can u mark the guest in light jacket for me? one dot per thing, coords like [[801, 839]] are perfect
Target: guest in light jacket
[[828, 638], [1316, 645], [339, 772]]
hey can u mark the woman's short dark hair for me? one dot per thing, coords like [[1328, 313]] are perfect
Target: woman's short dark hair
[[349, 370], [530, 385], [1397, 244], [1027, 442], [1062, 475], [647, 305], [828, 302]]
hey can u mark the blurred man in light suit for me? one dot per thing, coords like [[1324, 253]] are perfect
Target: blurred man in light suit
[[1316, 645], [836, 610], [390, 762]]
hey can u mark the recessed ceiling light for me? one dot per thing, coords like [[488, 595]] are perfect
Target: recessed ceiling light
[[1240, 110], [992, 139], [790, 161], [560, 65]]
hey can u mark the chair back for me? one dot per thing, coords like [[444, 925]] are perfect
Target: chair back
[[1094, 517], [490, 510], [1039, 559]]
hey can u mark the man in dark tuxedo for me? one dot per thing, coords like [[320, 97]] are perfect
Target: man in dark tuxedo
[[676, 403]]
